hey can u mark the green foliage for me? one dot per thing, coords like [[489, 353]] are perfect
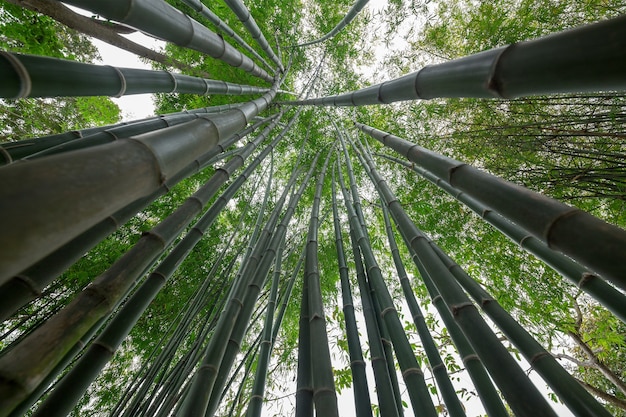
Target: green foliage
[[28, 32]]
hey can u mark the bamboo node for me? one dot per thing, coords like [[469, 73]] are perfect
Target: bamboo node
[[32, 286], [472, 357], [455, 309], [406, 373], [538, 356], [586, 277], [26, 83], [122, 90]]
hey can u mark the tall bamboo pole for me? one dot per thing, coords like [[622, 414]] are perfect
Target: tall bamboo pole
[[411, 372], [547, 65], [258, 389], [248, 21], [345, 21], [76, 382], [493, 354], [592, 242], [253, 285], [24, 148], [599, 289], [224, 28], [304, 380], [22, 369], [387, 400], [324, 395], [69, 193], [39, 76], [362, 402], [30, 283], [163, 21], [204, 381]]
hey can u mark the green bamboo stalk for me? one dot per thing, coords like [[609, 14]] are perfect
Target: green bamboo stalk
[[489, 397], [60, 207], [386, 397], [324, 395], [197, 399], [250, 24], [412, 374], [165, 22], [252, 287], [453, 405], [42, 349], [120, 132], [518, 390], [345, 21], [387, 349], [304, 379], [76, 382], [224, 28], [365, 286], [547, 65], [362, 400], [12, 151], [256, 397], [38, 76], [590, 241], [30, 283], [608, 296], [569, 390]]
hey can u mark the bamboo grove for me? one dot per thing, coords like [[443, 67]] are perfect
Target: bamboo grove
[[267, 241]]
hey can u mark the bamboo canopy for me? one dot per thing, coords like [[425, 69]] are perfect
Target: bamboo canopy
[[234, 234]]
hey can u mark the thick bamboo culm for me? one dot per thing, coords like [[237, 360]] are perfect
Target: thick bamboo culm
[[36, 76], [603, 292], [599, 246], [223, 27], [248, 21], [163, 21], [59, 207], [447, 276], [548, 65]]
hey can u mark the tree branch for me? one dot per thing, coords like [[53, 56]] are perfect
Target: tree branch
[[96, 29]]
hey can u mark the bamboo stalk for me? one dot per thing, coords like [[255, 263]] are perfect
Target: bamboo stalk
[[253, 285], [163, 21], [520, 393], [345, 21], [42, 349], [362, 402], [547, 65], [608, 296], [69, 193], [203, 386], [223, 27], [38, 76], [324, 395], [248, 21], [76, 382], [384, 390], [590, 241], [31, 282], [411, 372], [258, 390], [453, 405]]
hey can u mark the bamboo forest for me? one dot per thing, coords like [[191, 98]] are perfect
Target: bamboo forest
[[332, 208]]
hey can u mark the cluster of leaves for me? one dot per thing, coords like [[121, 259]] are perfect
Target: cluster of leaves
[[28, 32]]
